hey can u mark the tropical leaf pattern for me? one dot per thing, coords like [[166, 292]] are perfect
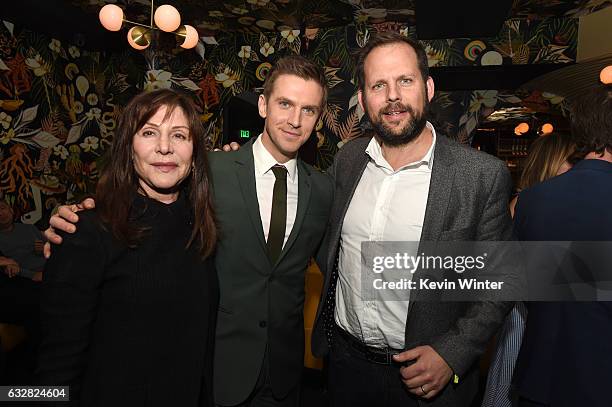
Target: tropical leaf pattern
[[59, 103]]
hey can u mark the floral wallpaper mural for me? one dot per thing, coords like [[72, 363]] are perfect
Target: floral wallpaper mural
[[59, 109], [59, 103]]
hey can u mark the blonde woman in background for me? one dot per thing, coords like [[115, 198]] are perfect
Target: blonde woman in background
[[548, 157]]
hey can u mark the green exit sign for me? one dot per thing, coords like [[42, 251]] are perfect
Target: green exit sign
[[245, 134]]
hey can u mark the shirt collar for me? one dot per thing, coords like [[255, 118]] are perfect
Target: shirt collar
[[264, 161], [375, 152]]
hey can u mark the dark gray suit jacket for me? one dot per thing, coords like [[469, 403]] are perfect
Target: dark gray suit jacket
[[261, 304], [468, 200]]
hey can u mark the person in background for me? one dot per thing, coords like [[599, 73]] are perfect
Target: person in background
[[21, 270], [549, 156], [565, 357], [129, 301], [21, 245]]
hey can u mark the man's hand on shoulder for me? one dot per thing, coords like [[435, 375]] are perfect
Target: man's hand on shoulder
[[64, 220], [233, 146]]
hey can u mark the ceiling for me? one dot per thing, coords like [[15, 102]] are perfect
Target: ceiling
[[211, 16], [570, 81], [477, 18]]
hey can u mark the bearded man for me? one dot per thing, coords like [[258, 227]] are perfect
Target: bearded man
[[405, 182]]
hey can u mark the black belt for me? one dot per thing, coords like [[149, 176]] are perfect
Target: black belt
[[382, 356]]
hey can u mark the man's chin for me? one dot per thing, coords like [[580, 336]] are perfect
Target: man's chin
[[394, 132], [396, 137], [290, 149]]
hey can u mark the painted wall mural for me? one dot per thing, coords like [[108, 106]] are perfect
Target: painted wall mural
[[59, 103]]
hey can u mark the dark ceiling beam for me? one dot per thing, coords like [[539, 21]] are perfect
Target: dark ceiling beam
[[59, 19], [442, 19], [500, 77]]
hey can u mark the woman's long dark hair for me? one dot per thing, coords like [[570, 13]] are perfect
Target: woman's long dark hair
[[119, 183]]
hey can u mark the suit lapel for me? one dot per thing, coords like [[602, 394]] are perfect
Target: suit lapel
[[245, 171], [356, 171], [345, 184], [304, 189], [438, 199]]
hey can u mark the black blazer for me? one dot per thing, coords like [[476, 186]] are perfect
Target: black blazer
[[566, 356], [261, 305], [130, 327], [468, 200]]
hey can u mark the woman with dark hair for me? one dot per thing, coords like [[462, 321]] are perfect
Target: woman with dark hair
[[549, 156], [129, 300]]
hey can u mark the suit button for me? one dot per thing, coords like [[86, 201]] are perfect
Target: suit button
[[262, 324]]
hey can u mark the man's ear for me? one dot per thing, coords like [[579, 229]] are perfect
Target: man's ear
[[430, 88], [360, 99], [261, 106]]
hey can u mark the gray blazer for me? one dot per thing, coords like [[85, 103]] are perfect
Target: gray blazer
[[468, 201]]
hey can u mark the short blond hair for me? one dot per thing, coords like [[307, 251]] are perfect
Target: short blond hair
[[299, 66]]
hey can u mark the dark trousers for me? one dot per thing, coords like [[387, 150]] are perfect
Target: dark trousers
[[355, 381], [262, 395]]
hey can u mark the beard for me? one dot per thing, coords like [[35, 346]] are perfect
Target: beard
[[393, 138]]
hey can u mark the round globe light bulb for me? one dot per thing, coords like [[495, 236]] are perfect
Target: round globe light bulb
[[138, 38], [605, 76], [167, 18], [111, 17], [547, 128], [191, 37], [523, 128]]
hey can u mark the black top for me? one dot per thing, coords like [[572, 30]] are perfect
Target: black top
[[130, 327]]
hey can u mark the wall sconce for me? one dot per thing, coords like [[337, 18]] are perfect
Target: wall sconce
[[166, 18], [521, 129], [605, 76], [546, 128]]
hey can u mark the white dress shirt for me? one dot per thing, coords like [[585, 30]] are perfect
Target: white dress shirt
[[264, 183], [388, 205]]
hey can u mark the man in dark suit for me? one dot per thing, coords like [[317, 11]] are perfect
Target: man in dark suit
[[272, 210], [565, 358], [259, 351], [406, 183]]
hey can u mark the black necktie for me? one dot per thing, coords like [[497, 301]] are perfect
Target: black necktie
[[278, 217]]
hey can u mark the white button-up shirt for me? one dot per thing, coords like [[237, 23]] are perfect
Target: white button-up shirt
[[264, 183], [388, 205]]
